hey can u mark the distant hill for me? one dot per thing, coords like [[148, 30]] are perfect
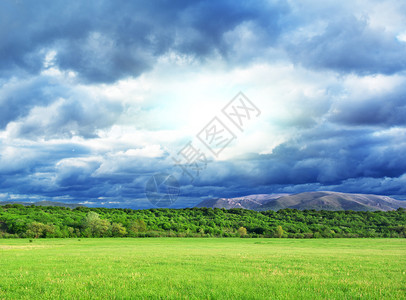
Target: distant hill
[[308, 200], [253, 202], [42, 203]]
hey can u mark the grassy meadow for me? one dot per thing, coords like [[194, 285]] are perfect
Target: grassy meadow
[[202, 268]]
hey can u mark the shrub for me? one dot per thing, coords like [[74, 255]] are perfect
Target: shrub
[[242, 231]]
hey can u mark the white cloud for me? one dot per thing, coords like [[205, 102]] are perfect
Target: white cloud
[[401, 37]]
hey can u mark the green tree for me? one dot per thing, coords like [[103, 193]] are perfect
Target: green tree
[[97, 227], [279, 231], [37, 230], [242, 231], [49, 230], [138, 226], [37, 221], [117, 229]]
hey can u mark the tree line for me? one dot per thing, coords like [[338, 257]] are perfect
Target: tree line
[[18, 221]]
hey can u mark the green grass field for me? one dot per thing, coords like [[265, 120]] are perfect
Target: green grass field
[[198, 268]]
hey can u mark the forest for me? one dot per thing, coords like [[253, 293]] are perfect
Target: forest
[[18, 221]]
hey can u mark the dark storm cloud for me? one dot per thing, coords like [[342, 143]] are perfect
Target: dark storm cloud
[[17, 98], [340, 37], [26, 159], [54, 171], [45, 107], [380, 110], [322, 158], [329, 156], [326, 157], [356, 161], [68, 118], [103, 41]]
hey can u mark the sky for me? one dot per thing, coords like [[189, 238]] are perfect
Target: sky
[[99, 97]]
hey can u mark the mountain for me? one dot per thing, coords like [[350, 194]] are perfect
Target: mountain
[[308, 200], [253, 202], [42, 203]]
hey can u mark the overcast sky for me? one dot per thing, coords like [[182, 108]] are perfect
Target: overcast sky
[[98, 96]]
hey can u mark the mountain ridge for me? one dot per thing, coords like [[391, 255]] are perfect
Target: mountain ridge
[[320, 200]]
